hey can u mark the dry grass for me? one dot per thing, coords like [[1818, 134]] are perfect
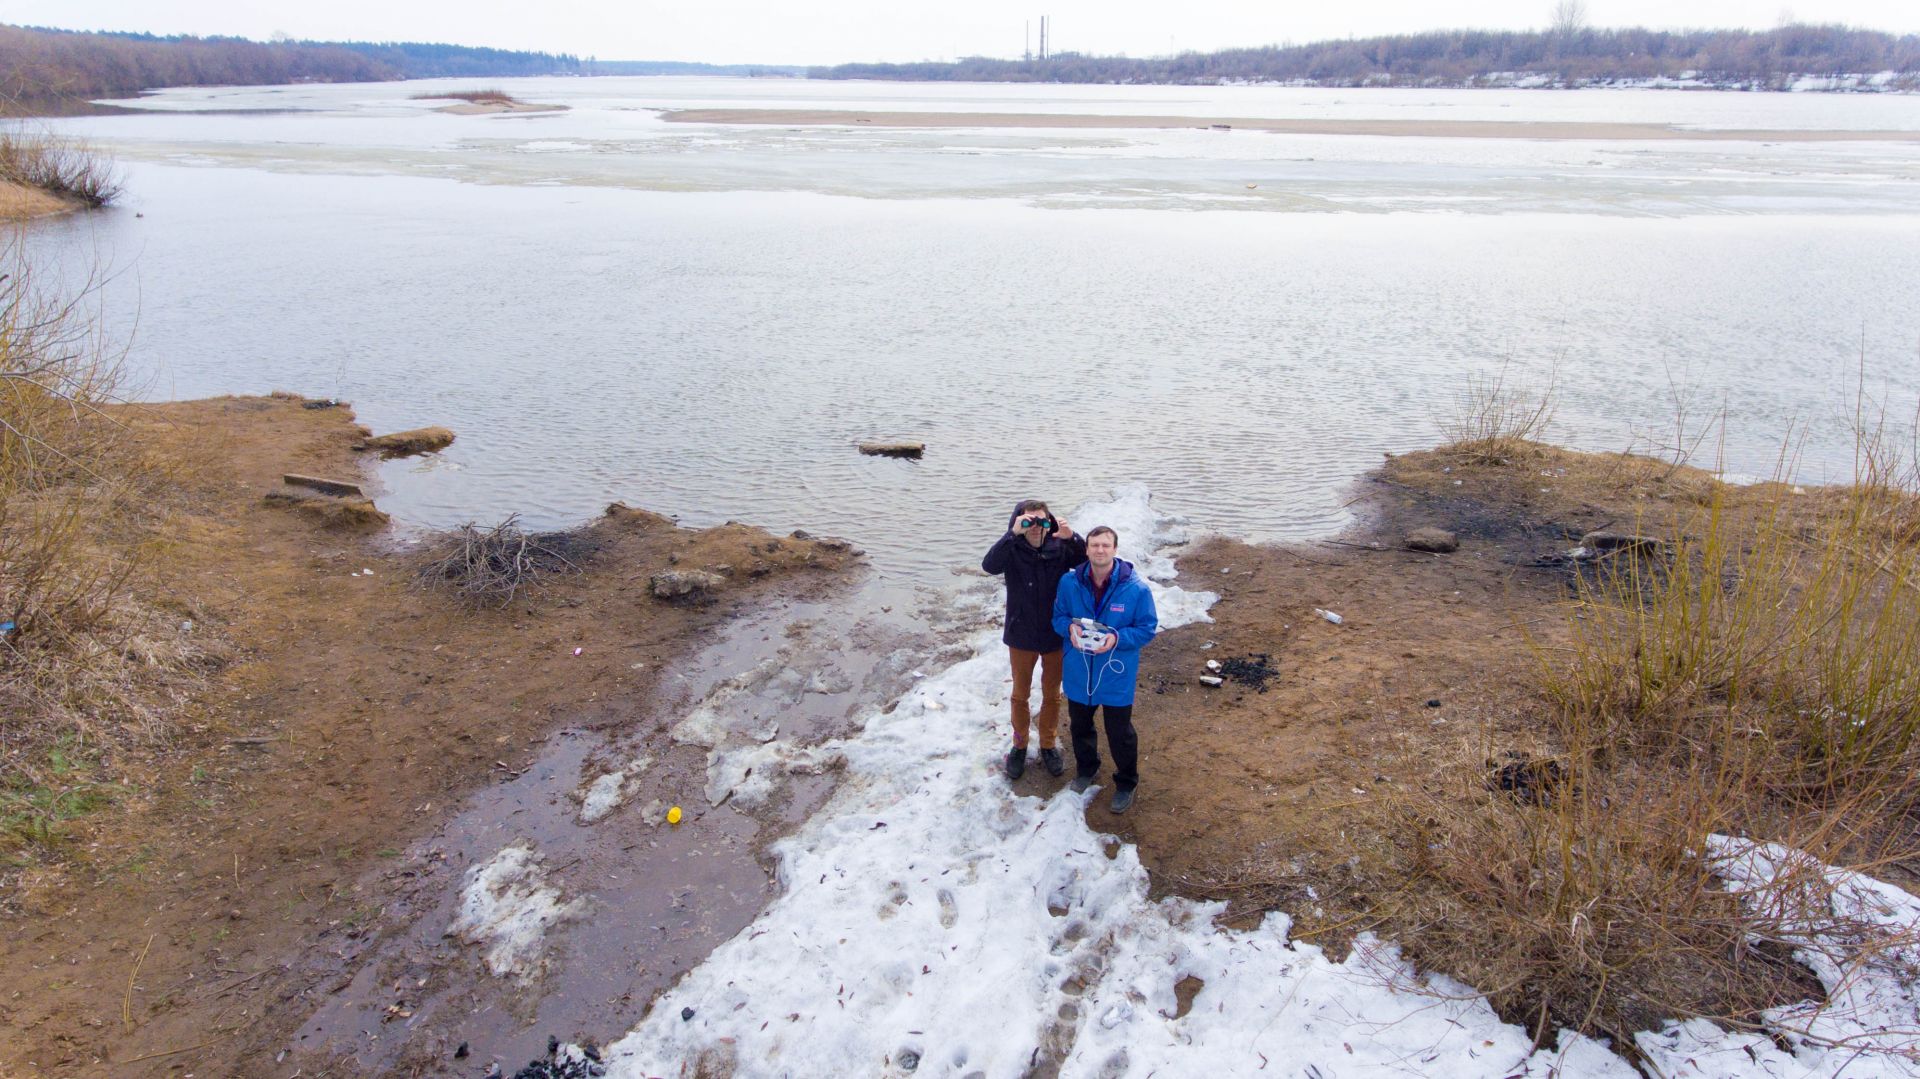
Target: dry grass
[[1790, 621], [63, 168], [1756, 674], [19, 203]]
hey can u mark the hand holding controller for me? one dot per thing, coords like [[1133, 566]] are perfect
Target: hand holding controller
[[1092, 637]]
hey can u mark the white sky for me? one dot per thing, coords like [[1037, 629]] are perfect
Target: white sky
[[834, 31]]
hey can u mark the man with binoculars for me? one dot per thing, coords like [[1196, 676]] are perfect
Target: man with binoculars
[[1037, 550]]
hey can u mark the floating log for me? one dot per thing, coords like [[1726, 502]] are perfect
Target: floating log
[[911, 450]]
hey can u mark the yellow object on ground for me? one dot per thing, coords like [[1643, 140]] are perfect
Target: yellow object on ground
[[673, 815]]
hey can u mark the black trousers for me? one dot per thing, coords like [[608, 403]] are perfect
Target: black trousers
[[1121, 742]]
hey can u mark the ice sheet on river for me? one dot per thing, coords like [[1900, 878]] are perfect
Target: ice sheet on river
[[931, 922]]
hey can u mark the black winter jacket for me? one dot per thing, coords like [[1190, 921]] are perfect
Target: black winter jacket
[[1033, 576]]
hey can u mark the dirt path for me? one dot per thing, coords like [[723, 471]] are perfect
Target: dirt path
[[284, 823]]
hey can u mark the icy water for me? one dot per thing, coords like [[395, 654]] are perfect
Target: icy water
[[705, 319]]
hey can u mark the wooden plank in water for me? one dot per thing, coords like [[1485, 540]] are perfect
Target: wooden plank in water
[[324, 486]]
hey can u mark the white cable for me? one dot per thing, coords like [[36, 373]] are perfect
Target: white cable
[[1112, 664]]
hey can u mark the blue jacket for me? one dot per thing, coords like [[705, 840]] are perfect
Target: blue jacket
[[1127, 606], [1033, 574]]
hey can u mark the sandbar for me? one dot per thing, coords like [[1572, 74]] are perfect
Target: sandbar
[[489, 108]]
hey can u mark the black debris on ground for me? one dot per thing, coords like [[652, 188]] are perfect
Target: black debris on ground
[[1254, 670], [565, 1062], [1527, 778], [574, 546]]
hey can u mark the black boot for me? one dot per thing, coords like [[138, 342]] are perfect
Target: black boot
[[1016, 762], [1051, 758]]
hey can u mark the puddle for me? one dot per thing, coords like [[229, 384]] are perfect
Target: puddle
[[642, 901]]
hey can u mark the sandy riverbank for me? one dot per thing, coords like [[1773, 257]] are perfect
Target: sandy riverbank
[[21, 203], [1457, 129]]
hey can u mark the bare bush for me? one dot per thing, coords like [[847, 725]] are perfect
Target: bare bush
[[1754, 670], [65, 168], [87, 663], [1494, 416], [489, 567], [59, 466], [488, 96], [1757, 673], [1792, 619]]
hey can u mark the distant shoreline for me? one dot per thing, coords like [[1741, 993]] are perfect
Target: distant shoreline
[[1463, 129]]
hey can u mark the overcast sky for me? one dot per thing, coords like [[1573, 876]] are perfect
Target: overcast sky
[[834, 31]]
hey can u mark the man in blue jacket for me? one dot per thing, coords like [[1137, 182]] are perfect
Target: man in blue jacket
[[1036, 552], [1102, 665]]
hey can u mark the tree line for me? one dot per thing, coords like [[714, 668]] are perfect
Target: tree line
[[40, 67], [1568, 56]]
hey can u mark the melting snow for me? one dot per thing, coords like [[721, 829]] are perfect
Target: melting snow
[[506, 906], [605, 794]]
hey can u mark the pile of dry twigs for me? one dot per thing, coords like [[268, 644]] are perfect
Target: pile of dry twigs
[[491, 566]]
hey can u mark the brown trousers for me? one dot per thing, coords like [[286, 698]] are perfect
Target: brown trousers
[[1023, 661]]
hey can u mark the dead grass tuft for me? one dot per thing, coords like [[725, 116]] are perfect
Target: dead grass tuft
[[1593, 910]]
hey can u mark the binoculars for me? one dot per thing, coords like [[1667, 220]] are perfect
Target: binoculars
[[1029, 522]]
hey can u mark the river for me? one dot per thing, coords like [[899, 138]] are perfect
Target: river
[[704, 319]]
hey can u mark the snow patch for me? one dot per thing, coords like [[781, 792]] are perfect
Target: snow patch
[[506, 906], [747, 775], [720, 716], [1859, 936], [605, 794]]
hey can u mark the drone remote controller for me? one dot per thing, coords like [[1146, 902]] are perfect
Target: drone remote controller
[[1093, 635]]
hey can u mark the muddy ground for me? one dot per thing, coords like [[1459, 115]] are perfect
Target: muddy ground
[[198, 926]]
